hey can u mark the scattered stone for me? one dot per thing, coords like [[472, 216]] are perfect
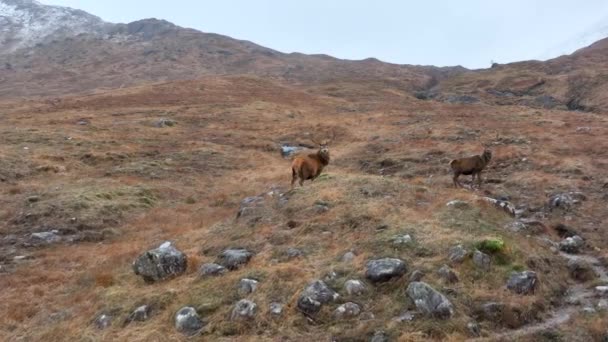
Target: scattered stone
[[331, 275], [314, 296], [247, 286], [406, 316], [523, 282], [244, 309], [458, 204], [355, 287], [379, 336], [293, 253], [457, 254], [347, 310], [588, 310], [482, 261], [580, 270], [321, 208], [45, 237], [602, 305], [583, 129], [141, 314], [289, 150], [83, 122], [566, 200], [276, 309], [383, 270], [161, 263], [572, 245], [232, 259], [447, 274], [402, 240], [417, 275], [492, 311], [165, 123], [211, 269], [505, 206], [516, 226], [474, 329], [602, 290], [103, 321], [250, 206], [348, 257], [188, 322], [429, 301], [367, 316], [33, 199]]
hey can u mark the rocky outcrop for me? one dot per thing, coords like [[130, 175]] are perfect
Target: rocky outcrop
[[315, 296], [429, 301], [161, 263], [383, 270]]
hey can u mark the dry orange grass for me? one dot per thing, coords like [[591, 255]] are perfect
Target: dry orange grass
[[224, 148]]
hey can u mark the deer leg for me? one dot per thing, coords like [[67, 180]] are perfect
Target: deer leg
[[455, 179], [479, 178], [293, 177]]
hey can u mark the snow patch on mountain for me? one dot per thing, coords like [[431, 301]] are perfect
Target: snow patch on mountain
[[25, 23]]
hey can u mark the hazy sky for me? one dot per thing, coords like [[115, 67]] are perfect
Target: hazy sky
[[438, 32]]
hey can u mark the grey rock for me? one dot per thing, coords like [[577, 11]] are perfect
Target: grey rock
[[290, 150], [602, 305], [161, 263], [482, 261], [417, 275], [505, 206], [447, 274], [379, 336], [402, 240], [233, 259], [165, 123], [457, 254], [45, 237], [589, 310], [276, 309], [347, 310], [429, 301], [523, 282], [140, 314], [458, 204], [247, 286], [103, 321], [244, 310], [251, 206], [601, 290], [492, 311], [211, 269], [383, 270], [348, 257], [566, 200], [188, 322], [572, 244], [406, 316], [355, 287], [580, 270], [314, 296], [474, 329], [293, 253]]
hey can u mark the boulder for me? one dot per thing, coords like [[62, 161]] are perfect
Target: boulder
[[45, 238], [491, 311], [314, 296], [482, 261], [251, 206], [141, 314], [276, 309], [233, 259], [165, 123], [447, 274], [429, 301], [379, 336], [247, 286], [565, 200], [292, 253], [244, 310], [347, 310], [572, 245], [161, 263], [474, 329], [103, 321], [355, 287], [188, 322], [348, 257], [400, 240], [523, 282], [212, 269], [383, 270], [457, 254]]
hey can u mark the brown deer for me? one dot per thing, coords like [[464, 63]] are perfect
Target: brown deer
[[309, 166], [470, 166]]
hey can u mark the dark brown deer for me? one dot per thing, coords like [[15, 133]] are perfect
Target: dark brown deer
[[470, 166]]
